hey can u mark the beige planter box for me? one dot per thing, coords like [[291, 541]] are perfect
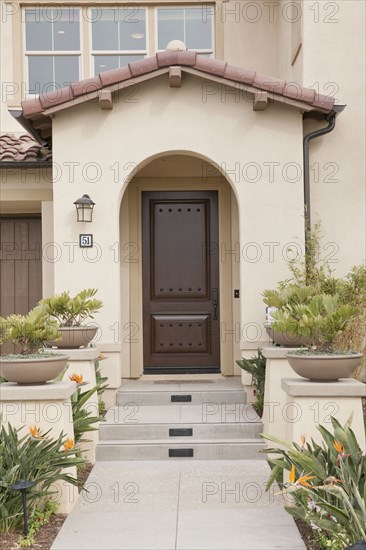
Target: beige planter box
[[311, 403], [81, 361], [49, 407]]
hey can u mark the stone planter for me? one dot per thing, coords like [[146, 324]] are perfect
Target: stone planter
[[324, 368], [74, 337], [283, 339], [33, 370]]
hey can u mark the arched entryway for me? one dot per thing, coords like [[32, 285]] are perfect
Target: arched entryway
[[179, 268]]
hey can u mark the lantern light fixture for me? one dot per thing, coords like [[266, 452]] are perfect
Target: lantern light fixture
[[84, 209]]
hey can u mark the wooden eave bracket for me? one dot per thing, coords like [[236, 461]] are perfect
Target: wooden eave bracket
[[175, 77], [105, 100], [260, 101]]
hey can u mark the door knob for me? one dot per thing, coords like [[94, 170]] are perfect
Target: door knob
[[215, 302]]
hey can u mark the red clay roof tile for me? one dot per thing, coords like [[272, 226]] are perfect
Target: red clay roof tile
[[269, 84], [206, 65], [56, 97], [239, 75], [212, 66], [86, 86], [187, 58], [167, 58], [144, 66], [115, 75], [22, 148]]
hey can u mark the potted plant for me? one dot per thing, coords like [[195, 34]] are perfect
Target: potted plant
[[31, 363], [322, 320], [70, 313], [286, 293]]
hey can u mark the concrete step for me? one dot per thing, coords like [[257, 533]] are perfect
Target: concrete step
[[185, 449], [175, 432], [217, 392], [206, 422]]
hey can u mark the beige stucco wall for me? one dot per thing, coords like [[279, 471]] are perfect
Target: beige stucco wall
[[338, 195], [242, 143]]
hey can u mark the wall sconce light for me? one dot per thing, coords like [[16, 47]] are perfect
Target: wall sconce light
[[84, 209]]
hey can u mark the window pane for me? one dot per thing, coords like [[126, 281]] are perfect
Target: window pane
[[198, 30], [67, 30], [104, 29], [49, 29], [38, 31], [47, 72], [107, 62], [132, 29], [170, 26], [40, 73], [66, 69]]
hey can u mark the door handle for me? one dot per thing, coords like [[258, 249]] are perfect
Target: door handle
[[215, 302]]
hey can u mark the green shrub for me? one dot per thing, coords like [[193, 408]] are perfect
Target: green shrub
[[321, 320], [83, 418], [257, 368], [327, 482], [28, 333], [71, 312], [42, 460]]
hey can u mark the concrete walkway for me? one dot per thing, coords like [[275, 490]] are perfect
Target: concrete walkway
[[179, 505]]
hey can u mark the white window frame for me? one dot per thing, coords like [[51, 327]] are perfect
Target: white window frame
[[211, 51], [92, 53], [50, 53]]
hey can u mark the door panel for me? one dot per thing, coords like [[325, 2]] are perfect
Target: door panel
[[180, 280], [20, 266]]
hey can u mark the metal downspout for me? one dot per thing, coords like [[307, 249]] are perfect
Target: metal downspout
[[331, 118]]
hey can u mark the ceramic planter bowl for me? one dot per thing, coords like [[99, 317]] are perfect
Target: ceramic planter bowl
[[324, 368], [283, 339], [74, 337], [33, 370]]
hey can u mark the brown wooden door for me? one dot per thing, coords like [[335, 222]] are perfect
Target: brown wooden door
[[20, 264], [180, 282]]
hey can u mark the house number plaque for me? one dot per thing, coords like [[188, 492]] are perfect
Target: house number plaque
[[86, 240]]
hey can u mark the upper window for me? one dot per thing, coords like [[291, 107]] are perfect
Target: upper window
[[52, 40], [190, 25], [118, 37]]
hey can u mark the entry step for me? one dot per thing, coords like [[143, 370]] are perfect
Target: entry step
[[219, 449], [171, 393]]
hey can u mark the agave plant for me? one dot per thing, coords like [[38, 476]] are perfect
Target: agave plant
[[72, 311], [322, 319], [28, 333], [288, 295]]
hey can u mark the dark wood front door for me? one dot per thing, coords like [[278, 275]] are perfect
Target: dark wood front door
[[180, 282]]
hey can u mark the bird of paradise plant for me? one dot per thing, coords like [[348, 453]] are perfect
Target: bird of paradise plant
[[331, 497]]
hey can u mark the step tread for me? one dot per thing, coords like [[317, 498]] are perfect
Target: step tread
[[180, 414], [182, 441]]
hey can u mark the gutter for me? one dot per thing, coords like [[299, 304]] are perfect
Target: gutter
[[26, 164], [331, 119]]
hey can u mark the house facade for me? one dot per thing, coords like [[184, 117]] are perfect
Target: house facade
[[184, 123]]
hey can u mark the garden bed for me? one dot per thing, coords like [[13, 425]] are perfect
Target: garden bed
[[47, 533]]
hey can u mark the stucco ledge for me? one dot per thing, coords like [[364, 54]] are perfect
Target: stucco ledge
[[345, 387]]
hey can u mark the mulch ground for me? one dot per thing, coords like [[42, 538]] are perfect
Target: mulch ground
[[47, 534]]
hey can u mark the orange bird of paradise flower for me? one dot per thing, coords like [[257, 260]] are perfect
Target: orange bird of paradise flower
[[302, 480], [69, 444], [35, 432], [340, 450], [78, 378]]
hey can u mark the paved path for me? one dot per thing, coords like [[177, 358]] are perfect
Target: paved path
[[179, 505]]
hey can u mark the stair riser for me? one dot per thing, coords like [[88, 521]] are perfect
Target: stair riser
[[164, 398], [200, 431], [161, 452]]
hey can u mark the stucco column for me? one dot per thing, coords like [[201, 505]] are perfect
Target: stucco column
[[49, 407], [312, 403], [82, 362], [275, 404]]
